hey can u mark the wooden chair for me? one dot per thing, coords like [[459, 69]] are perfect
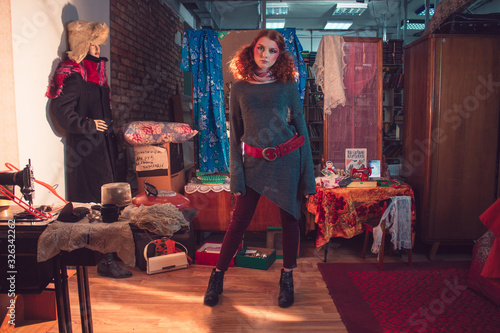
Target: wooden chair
[[370, 225]]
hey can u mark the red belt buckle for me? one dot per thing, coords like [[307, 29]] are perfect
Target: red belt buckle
[[264, 154]]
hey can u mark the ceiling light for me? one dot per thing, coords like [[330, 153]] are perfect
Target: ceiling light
[[421, 10], [275, 23], [350, 8], [414, 24], [338, 25], [273, 9]]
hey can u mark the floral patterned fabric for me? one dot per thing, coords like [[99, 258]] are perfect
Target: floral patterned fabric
[[480, 252], [202, 55], [443, 11], [142, 133], [340, 212]]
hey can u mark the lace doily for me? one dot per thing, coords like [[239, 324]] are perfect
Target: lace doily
[[205, 188]]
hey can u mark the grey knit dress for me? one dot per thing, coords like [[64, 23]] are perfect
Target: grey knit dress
[[266, 115]]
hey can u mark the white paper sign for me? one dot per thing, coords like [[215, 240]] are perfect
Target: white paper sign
[[150, 158]]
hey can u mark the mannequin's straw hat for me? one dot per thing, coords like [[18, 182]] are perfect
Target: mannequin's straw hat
[[81, 34]]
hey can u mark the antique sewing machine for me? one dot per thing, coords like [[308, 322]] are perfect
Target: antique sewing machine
[[24, 179], [20, 209]]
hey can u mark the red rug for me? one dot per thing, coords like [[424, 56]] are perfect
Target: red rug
[[428, 297]]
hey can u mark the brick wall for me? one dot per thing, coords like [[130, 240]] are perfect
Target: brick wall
[[144, 63]]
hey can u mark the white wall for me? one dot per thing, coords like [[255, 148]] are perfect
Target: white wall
[[39, 41]]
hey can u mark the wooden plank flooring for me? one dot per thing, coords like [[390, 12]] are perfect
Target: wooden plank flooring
[[173, 301]]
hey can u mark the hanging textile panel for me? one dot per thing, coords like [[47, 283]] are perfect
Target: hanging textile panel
[[202, 55], [357, 124]]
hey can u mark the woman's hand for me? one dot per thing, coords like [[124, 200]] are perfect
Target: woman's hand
[[100, 125], [237, 194]]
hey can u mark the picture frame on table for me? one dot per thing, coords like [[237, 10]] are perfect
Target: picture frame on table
[[355, 158]]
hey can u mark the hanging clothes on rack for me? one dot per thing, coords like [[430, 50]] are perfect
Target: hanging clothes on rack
[[202, 55]]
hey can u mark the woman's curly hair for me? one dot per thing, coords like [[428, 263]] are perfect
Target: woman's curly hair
[[243, 65]]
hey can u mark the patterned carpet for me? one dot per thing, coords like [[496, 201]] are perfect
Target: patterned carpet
[[427, 297]]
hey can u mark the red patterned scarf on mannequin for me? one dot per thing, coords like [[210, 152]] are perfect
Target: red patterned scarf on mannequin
[[90, 71]]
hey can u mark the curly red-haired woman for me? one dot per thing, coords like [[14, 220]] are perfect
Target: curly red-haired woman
[[270, 153]]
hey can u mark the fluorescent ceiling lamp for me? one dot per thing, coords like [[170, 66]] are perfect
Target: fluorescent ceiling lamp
[[338, 25], [273, 9], [414, 25], [350, 8], [275, 23], [421, 10]]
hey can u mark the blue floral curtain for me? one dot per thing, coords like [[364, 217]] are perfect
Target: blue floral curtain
[[202, 55], [294, 47]]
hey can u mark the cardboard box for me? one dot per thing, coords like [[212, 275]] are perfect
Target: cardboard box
[[274, 241], [210, 258], [161, 166], [243, 260]]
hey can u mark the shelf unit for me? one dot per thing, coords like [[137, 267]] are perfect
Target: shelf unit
[[313, 113], [393, 113], [392, 83]]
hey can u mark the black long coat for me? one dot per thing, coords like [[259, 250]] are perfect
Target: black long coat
[[89, 155]]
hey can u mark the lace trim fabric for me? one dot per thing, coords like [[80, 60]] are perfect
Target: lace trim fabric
[[398, 223], [60, 236], [205, 188], [328, 70]]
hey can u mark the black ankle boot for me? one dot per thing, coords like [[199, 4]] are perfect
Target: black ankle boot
[[109, 267], [214, 288], [286, 298]]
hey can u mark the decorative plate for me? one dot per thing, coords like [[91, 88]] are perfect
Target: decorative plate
[[213, 179]]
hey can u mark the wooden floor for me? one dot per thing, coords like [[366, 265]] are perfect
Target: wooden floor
[[173, 301]]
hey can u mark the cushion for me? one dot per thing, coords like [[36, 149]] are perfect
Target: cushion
[[143, 133], [488, 287]]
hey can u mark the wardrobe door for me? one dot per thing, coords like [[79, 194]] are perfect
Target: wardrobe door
[[465, 123], [451, 131]]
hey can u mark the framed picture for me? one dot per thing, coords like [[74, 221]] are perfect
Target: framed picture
[[355, 158], [376, 170]]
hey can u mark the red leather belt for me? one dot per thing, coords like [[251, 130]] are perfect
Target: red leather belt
[[272, 153]]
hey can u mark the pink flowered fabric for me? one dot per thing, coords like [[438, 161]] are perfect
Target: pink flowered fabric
[[143, 133]]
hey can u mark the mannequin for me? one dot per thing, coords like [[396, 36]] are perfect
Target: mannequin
[[80, 104]]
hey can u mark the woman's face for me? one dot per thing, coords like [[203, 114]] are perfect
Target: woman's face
[[94, 50], [265, 53]]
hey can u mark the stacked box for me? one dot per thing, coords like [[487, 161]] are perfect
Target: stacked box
[[274, 241], [207, 254]]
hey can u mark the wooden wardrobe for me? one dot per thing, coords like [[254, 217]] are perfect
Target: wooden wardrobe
[[451, 131]]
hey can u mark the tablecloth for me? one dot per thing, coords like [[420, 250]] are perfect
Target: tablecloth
[[340, 212], [102, 237]]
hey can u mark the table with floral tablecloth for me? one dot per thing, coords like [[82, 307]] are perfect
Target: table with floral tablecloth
[[340, 212]]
